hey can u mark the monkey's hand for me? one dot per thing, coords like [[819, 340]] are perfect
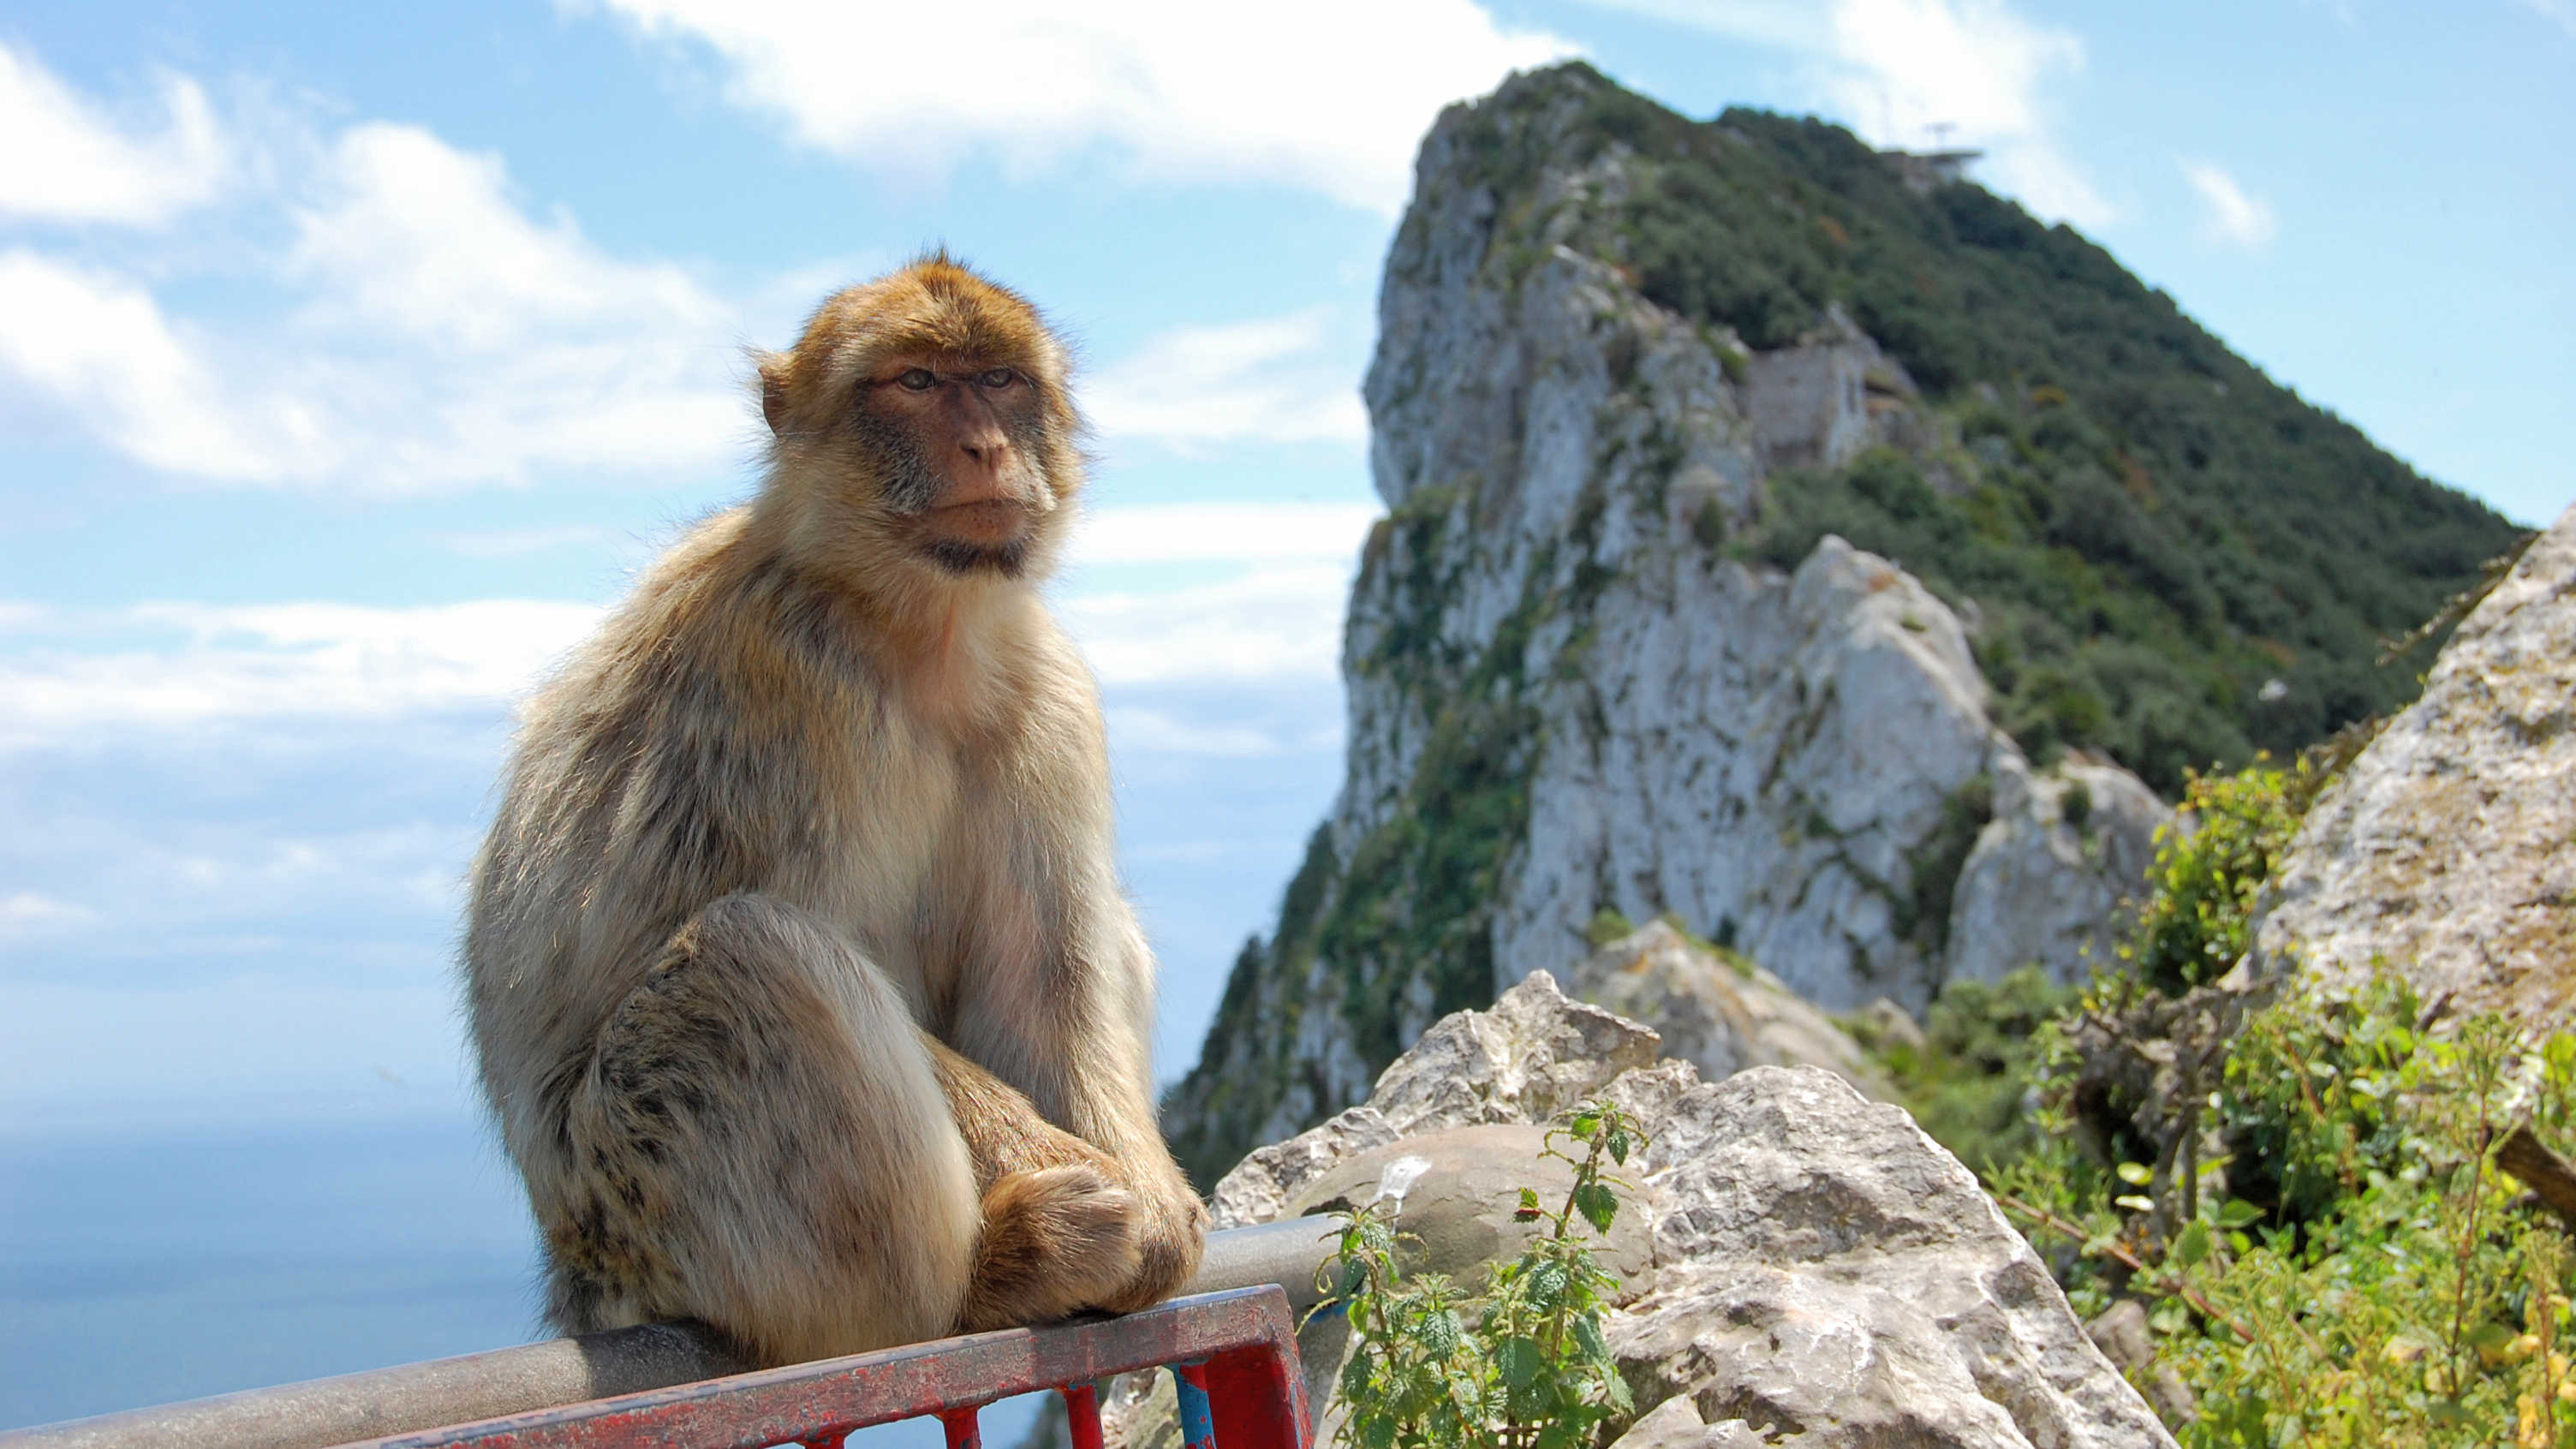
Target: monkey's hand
[[1055, 1240], [1171, 1231]]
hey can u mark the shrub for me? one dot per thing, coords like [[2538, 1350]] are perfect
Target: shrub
[[2210, 864], [1519, 1365]]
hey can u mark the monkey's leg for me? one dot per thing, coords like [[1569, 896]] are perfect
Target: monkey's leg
[[760, 1141], [1059, 1226]]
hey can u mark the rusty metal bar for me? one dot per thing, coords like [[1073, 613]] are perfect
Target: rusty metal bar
[[1247, 1338], [389, 1401]]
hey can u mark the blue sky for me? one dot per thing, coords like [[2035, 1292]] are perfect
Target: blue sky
[[352, 357]]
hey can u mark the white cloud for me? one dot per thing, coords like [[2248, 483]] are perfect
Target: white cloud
[[1270, 381], [100, 347], [2235, 216], [1224, 532], [1270, 624], [2561, 13], [432, 333], [79, 675], [66, 161], [436, 332], [25, 915], [81, 1051], [1154, 731], [1914, 73], [181, 666], [1331, 96]]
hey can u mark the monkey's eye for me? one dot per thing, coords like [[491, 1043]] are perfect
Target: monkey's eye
[[918, 379], [997, 378]]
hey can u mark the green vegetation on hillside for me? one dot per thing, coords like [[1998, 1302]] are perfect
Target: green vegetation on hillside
[[2153, 531], [2318, 1220]]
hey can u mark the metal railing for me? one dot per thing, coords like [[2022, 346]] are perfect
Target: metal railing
[[567, 1376], [1234, 1355]]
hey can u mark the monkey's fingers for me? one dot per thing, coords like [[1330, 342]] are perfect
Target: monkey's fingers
[[1172, 1236]]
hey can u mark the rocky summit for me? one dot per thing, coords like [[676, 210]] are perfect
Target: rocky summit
[[1834, 565]]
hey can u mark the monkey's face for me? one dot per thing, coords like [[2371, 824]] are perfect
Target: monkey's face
[[925, 413], [957, 443]]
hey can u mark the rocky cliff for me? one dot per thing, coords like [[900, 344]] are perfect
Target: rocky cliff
[[1596, 659]]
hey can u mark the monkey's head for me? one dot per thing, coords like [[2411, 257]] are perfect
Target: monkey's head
[[921, 424]]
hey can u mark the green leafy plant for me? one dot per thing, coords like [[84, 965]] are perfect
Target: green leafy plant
[[2368, 1275], [2210, 865], [1520, 1364]]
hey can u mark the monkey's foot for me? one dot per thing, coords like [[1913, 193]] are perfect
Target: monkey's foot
[[1055, 1239]]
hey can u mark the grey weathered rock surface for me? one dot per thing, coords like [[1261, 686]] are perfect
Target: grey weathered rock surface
[[1822, 1272], [1456, 1190], [2048, 882], [1549, 636], [1675, 1424], [1719, 1012], [2448, 846], [1533, 1055], [1833, 1277]]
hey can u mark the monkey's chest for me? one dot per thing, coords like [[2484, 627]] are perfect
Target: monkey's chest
[[884, 855]]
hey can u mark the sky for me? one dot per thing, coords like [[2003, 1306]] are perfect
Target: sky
[[352, 358]]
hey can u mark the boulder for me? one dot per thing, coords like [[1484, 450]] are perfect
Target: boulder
[[2448, 847], [1532, 1055], [1833, 1277], [1716, 1009], [1817, 1271]]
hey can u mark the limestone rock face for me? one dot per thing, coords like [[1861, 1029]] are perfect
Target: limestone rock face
[[1821, 1273], [2448, 846], [2055, 871], [1719, 1012], [1566, 693]]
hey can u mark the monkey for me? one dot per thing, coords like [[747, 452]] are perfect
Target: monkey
[[803, 990]]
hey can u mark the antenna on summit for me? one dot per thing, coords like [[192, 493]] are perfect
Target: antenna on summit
[[1921, 171]]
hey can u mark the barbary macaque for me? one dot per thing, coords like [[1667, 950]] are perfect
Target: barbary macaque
[[805, 994]]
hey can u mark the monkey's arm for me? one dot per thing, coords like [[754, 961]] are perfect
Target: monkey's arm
[[1053, 985], [1080, 1058], [1003, 1132], [1049, 1201]]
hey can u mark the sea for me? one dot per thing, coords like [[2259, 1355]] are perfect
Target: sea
[[145, 1264]]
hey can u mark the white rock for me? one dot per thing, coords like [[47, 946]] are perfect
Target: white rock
[[2448, 847], [1533, 1055], [1824, 1273], [1719, 1013], [2052, 882], [1834, 1277]]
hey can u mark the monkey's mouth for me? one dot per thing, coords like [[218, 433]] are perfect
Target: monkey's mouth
[[985, 523]]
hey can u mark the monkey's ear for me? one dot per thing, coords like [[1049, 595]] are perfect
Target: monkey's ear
[[773, 389]]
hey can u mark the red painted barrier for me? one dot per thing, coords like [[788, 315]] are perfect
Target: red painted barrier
[[1240, 1349]]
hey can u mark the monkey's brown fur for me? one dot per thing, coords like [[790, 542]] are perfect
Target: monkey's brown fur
[[805, 995]]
